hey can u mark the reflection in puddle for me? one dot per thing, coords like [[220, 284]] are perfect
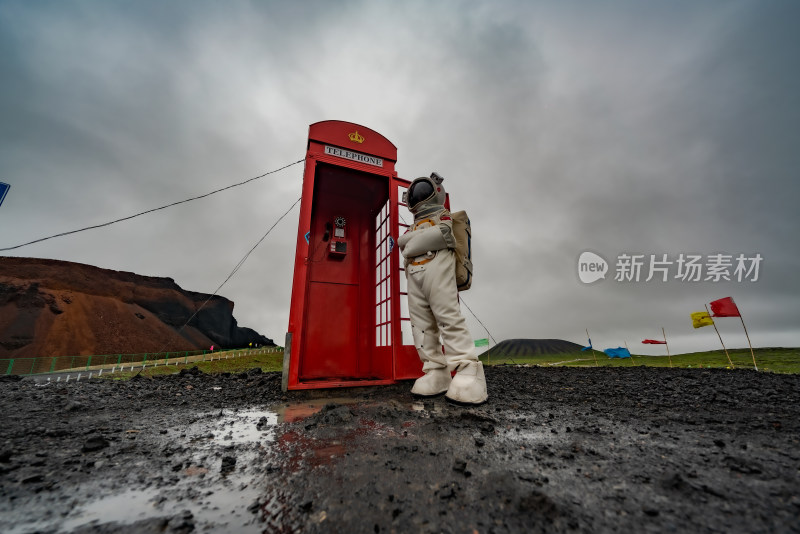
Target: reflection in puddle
[[236, 427], [297, 411], [249, 426], [330, 450], [427, 407], [126, 507], [224, 509]]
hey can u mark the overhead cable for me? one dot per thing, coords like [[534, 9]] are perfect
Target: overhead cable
[[238, 266], [461, 298], [151, 210]]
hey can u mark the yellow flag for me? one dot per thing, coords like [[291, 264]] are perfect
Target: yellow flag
[[701, 319]]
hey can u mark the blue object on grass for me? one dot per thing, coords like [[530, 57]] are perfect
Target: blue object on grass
[[619, 352]]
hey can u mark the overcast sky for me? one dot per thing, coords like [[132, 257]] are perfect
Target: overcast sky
[[561, 127]]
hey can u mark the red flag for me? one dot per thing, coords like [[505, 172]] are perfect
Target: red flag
[[725, 308], [654, 342]]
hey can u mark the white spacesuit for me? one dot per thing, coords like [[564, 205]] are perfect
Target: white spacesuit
[[433, 299]]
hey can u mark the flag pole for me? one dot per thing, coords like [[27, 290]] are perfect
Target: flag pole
[[748, 341], [720, 338], [590, 344], [667, 345]]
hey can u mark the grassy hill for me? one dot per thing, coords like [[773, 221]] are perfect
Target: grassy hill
[[513, 348], [771, 359]]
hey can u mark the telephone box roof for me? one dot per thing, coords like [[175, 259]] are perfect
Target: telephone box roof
[[352, 137]]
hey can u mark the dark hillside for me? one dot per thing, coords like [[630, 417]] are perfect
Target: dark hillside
[[56, 308], [533, 347]]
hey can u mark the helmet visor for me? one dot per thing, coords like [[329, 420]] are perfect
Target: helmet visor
[[419, 192]]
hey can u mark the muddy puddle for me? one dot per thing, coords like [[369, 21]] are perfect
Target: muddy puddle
[[225, 479]]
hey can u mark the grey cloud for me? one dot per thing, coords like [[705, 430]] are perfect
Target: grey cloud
[[627, 127]]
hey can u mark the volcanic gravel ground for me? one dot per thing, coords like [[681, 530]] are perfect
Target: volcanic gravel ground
[[555, 449]]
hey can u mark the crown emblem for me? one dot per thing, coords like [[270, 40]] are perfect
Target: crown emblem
[[356, 137]]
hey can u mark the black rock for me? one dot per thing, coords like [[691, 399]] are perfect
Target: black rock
[[228, 464], [459, 465], [95, 443]]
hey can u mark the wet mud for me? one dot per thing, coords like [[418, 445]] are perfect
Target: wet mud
[[554, 450]]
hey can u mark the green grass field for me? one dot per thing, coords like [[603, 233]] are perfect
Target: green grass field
[[267, 362], [776, 360]]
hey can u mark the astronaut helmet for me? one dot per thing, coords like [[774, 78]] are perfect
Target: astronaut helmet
[[425, 191]]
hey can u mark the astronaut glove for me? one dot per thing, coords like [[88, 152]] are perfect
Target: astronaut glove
[[403, 240], [422, 241]]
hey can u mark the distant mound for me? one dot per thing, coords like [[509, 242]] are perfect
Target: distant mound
[[533, 347], [59, 308]]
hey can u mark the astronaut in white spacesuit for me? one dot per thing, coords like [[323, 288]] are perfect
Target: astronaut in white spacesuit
[[428, 248]]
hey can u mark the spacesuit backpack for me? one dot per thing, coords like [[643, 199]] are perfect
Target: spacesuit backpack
[[462, 232]]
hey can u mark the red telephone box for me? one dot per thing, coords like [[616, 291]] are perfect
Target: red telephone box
[[348, 322]]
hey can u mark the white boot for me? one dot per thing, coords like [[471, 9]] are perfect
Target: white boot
[[469, 384], [433, 382]]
